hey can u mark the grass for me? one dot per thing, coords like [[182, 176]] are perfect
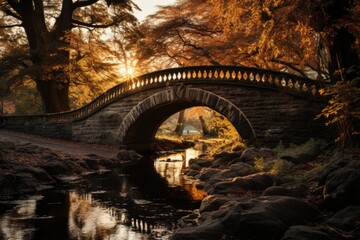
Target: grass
[[294, 149], [290, 172], [278, 167]]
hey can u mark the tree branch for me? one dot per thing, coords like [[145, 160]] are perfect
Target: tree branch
[[15, 5], [80, 4], [10, 26], [12, 14], [39, 10], [91, 25], [320, 73], [290, 65]]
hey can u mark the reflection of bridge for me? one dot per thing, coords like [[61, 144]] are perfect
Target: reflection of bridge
[[262, 105], [89, 218]]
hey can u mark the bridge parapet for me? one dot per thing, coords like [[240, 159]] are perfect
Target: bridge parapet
[[208, 74]]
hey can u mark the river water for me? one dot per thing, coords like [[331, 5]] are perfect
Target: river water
[[143, 202]]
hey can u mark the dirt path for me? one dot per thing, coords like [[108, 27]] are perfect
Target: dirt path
[[57, 145]]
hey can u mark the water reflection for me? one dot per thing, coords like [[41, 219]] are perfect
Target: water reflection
[[89, 219], [137, 205], [183, 156], [16, 224], [170, 167]]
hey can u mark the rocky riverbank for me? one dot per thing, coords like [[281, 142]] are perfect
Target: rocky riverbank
[[169, 144], [253, 194], [261, 194], [28, 168]]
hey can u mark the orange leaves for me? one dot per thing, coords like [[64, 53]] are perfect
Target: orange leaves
[[342, 110], [276, 34]]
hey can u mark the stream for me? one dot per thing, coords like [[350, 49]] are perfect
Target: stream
[[142, 202]]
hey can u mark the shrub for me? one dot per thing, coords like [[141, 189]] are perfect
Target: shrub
[[343, 109], [278, 167]]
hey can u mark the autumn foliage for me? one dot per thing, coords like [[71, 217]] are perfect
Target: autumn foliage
[[62, 44], [343, 110]]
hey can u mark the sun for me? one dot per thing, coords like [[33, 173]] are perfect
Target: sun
[[127, 71]]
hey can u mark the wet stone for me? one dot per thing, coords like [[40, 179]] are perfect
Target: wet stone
[[304, 233]]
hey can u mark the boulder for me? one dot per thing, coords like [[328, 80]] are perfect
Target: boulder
[[342, 187], [208, 231], [51, 156], [258, 181], [237, 170], [340, 159], [301, 232], [267, 153], [261, 217], [38, 173], [200, 162], [109, 163], [195, 166], [128, 155], [24, 183], [92, 163], [189, 220], [55, 167], [212, 203], [207, 173], [249, 155], [225, 157], [228, 173], [297, 192], [192, 173], [242, 169], [304, 157], [347, 219]]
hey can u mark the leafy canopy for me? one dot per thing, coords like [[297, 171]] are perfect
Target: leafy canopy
[[69, 49]]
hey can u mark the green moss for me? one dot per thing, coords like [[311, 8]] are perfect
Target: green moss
[[294, 149], [278, 167]]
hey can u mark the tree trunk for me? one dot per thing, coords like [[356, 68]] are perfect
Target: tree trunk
[[180, 123], [49, 50], [2, 106], [204, 127], [54, 96], [54, 82], [342, 54]]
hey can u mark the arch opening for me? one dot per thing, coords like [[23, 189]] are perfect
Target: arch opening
[[198, 124], [139, 127]]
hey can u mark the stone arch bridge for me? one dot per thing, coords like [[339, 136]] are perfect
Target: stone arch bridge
[[264, 106]]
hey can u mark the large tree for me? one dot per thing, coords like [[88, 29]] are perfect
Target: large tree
[[329, 35], [313, 38], [46, 30], [324, 33], [309, 38]]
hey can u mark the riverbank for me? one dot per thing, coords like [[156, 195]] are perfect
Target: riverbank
[[169, 144], [311, 193], [29, 168], [63, 195], [308, 192]]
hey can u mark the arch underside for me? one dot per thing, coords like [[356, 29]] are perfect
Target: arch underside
[[139, 127]]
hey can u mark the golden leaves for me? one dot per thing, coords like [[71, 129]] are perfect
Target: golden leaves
[[343, 108]]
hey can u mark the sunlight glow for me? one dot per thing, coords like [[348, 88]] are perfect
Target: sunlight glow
[[127, 71]]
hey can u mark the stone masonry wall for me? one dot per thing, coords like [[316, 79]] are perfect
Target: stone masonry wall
[[273, 114]]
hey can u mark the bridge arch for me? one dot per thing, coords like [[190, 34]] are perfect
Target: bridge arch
[[278, 107], [139, 127]]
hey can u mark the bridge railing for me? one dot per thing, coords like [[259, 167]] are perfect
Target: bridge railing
[[230, 74]]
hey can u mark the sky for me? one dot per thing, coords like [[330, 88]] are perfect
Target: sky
[[149, 7]]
